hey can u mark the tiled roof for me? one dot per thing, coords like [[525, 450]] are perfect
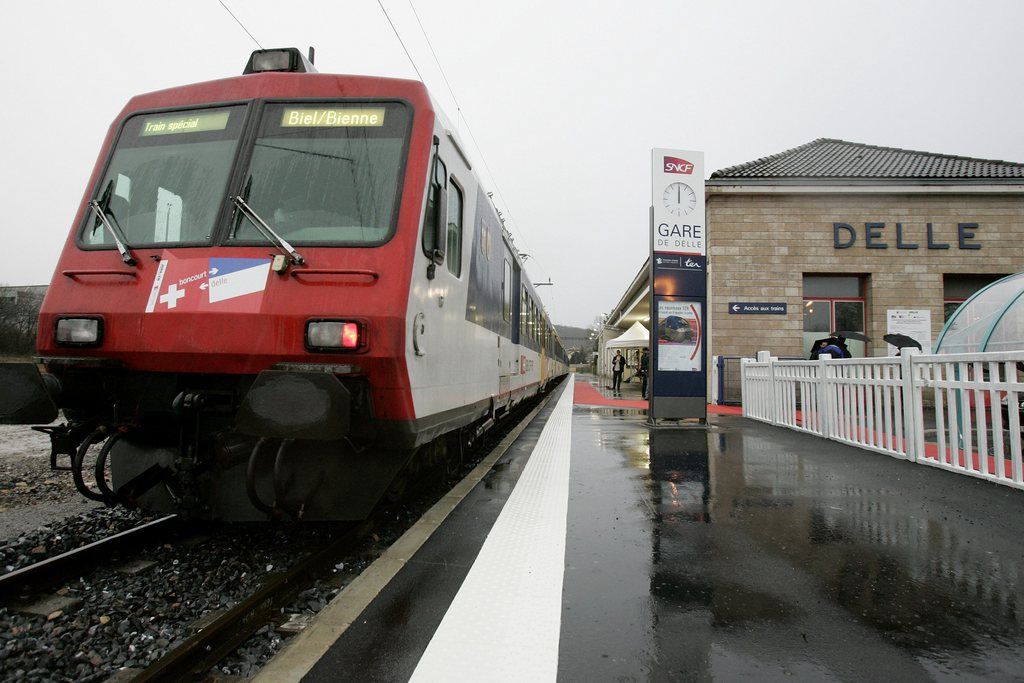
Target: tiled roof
[[829, 158]]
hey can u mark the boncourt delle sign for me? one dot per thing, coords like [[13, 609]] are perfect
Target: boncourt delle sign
[[882, 236]]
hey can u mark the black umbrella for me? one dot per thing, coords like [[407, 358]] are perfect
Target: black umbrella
[[901, 341], [852, 335]]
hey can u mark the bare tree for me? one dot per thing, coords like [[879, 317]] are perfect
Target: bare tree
[[19, 312]]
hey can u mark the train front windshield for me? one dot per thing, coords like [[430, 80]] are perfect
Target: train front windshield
[[327, 173], [167, 179], [318, 173]]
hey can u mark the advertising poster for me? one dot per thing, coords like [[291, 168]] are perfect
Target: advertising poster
[[679, 336], [914, 323]]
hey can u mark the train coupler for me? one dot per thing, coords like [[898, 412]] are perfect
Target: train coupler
[[64, 440]]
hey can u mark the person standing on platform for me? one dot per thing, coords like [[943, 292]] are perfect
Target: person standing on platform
[[618, 366], [642, 370]]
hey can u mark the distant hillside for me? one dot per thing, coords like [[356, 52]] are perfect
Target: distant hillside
[[573, 337]]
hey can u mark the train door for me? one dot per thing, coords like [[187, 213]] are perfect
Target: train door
[[507, 356], [443, 375], [543, 351], [517, 317]]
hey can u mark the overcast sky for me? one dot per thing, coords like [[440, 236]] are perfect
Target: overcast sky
[[566, 99]]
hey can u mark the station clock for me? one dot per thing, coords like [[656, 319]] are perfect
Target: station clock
[[680, 199]]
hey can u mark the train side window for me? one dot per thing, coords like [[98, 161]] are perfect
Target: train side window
[[534, 334], [529, 318], [506, 291], [437, 184], [522, 315], [454, 251]]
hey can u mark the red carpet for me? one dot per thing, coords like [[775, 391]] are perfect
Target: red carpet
[[585, 394]]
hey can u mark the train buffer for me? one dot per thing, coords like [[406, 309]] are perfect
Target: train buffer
[[597, 548]]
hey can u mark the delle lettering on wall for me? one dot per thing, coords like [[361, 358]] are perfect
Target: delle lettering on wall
[[884, 235]]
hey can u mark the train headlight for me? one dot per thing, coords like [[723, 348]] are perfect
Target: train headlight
[[335, 335], [79, 331]]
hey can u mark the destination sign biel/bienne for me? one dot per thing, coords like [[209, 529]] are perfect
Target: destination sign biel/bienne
[[331, 118]]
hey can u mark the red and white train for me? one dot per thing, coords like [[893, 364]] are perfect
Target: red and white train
[[282, 293]]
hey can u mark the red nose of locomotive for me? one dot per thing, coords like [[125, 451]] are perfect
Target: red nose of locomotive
[[228, 315], [243, 224]]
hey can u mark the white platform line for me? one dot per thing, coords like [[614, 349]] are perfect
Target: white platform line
[[505, 621], [302, 654]]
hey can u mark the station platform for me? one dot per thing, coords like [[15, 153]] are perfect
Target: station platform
[[597, 548]]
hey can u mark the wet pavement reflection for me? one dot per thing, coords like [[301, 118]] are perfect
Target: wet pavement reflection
[[750, 551]]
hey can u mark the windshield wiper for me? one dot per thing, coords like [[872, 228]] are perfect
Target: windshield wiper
[[262, 227], [119, 239]]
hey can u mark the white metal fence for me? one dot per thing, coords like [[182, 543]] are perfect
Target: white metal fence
[[958, 412]]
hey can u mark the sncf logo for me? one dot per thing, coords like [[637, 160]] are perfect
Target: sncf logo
[[674, 165]]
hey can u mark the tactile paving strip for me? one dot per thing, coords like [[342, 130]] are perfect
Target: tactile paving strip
[[504, 623]]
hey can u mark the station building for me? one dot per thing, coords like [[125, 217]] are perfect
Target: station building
[[835, 235]]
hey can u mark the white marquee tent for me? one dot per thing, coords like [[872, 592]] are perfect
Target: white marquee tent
[[634, 338]]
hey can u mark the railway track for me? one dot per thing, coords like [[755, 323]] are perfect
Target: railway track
[[198, 642], [194, 658], [58, 568]]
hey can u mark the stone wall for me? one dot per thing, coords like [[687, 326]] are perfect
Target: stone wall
[[760, 246]]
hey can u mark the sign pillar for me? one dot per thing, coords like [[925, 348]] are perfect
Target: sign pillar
[[678, 364]]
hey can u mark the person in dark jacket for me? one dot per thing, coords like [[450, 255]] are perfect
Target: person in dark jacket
[[642, 370], [833, 350], [618, 366], [841, 343]]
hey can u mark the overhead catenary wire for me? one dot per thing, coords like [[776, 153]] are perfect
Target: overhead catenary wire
[[239, 22], [401, 42], [465, 120]]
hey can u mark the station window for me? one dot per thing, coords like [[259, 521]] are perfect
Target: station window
[[454, 252], [834, 303], [506, 291], [956, 289]]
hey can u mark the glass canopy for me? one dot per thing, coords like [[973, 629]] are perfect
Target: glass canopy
[[991, 320]]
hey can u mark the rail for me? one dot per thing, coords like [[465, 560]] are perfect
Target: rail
[[958, 412], [79, 560], [193, 658]]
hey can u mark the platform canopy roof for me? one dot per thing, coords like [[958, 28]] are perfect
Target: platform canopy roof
[[633, 338], [991, 320]]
